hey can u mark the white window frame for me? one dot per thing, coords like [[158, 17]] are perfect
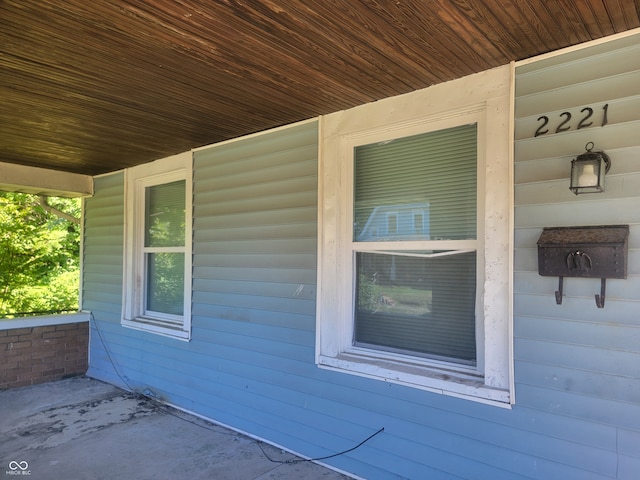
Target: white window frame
[[134, 313], [453, 104]]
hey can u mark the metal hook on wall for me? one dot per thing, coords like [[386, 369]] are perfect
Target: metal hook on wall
[[559, 291], [600, 298]]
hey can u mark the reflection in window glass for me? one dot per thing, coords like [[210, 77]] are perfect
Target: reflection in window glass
[[165, 283], [165, 215], [164, 247], [432, 174], [416, 305]]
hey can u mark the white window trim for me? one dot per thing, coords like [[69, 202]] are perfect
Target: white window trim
[[482, 98], [170, 169]]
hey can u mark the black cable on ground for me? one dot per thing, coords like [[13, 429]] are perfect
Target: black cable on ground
[[296, 460]]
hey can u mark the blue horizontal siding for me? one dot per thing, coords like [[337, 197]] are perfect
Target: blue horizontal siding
[[250, 361], [278, 304], [103, 267], [530, 283], [629, 448], [255, 343], [618, 388], [586, 333], [201, 315], [278, 275], [595, 359], [235, 387], [241, 384], [573, 361], [577, 308], [594, 409]]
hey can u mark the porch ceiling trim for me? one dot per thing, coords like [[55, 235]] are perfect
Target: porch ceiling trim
[[43, 181]]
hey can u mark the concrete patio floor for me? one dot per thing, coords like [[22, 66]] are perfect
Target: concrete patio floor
[[84, 429]]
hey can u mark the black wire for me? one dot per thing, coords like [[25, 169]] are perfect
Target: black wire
[[165, 409], [113, 364], [293, 461], [158, 404]]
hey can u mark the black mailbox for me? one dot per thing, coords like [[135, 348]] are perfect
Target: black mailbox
[[586, 252]]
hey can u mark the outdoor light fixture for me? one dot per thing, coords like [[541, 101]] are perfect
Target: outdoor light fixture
[[587, 171]]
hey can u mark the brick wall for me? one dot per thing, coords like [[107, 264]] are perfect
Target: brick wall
[[34, 355]]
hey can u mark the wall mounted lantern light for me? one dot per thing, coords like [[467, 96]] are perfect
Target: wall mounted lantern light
[[587, 171]]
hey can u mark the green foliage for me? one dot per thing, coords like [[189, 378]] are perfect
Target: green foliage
[[39, 254], [368, 294], [166, 286]]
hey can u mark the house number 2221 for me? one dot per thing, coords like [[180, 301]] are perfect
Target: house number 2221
[[584, 119]]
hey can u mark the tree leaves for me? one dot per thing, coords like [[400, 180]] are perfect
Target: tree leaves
[[39, 254]]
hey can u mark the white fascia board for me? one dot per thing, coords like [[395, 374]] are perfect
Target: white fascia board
[[42, 181]]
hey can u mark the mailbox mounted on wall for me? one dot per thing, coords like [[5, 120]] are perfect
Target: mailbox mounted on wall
[[584, 252]]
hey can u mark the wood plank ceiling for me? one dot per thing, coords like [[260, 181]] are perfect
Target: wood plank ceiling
[[95, 86]]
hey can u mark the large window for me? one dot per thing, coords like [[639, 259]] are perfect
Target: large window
[[414, 253], [158, 248], [414, 288]]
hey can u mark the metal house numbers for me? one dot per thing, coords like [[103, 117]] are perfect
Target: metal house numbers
[[587, 117]]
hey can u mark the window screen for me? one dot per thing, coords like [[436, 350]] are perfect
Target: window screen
[[164, 247]]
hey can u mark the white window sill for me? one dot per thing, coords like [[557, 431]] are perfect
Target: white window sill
[[153, 326], [436, 379]]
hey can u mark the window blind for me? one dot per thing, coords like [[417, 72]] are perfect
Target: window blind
[[421, 187], [423, 306], [435, 170]]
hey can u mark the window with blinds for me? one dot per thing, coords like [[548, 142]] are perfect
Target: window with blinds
[[415, 244]]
